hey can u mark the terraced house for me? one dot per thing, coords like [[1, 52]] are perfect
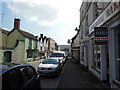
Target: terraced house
[[100, 40], [17, 45]]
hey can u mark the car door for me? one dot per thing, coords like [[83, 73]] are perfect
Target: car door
[[30, 78], [10, 80]]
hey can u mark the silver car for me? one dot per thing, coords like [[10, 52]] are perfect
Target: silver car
[[50, 66]]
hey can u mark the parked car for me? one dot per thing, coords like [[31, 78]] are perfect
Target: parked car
[[50, 66], [60, 55], [19, 77]]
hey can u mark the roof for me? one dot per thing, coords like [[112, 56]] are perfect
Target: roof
[[4, 31], [75, 36], [24, 33]]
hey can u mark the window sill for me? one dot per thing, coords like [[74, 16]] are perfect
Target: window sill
[[116, 82]]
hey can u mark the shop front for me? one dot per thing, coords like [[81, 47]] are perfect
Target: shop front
[[105, 58], [115, 56]]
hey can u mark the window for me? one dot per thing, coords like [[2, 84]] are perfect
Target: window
[[27, 74], [29, 53], [118, 56], [57, 55], [87, 29], [30, 43], [41, 48], [36, 44], [11, 80], [97, 56]]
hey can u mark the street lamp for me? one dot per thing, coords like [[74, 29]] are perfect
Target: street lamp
[[77, 29], [69, 42]]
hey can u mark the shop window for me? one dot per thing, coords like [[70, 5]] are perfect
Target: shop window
[[118, 57], [97, 57]]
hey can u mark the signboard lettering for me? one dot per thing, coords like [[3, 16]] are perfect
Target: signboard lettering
[[101, 35]]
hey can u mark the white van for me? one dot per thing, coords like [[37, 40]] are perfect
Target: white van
[[59, 54]]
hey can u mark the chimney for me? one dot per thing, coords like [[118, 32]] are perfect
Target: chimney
[[44, 37], [41, 35], [16, 23]]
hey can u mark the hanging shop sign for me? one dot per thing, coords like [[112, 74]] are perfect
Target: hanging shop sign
[[101, 35]]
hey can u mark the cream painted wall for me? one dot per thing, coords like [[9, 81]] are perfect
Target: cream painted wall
[[12, 37], [1, 43], [33, 44], [4, 39], [0, 39], [1, 56], [26, 47], [52, 44], [18, 53]]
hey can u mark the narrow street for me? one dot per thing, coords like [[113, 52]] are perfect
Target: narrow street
[[46, 81], [72, 76]]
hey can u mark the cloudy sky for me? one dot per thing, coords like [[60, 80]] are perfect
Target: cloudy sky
[[53, 18]]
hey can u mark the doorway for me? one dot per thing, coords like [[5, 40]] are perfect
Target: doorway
[[7, 56]]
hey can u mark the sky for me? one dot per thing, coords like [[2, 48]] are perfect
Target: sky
[[52, 18]]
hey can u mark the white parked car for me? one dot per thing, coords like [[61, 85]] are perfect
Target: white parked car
[[60, 55], [50, 66]]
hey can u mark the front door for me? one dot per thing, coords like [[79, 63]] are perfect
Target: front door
[[7, 56]]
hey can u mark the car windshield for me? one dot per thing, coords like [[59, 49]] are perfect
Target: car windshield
[[57, 55], [50, 61]]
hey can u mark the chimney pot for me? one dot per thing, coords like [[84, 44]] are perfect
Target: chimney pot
[[17, 23], [41, 35]]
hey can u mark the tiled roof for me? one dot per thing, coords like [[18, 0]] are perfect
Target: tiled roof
[[26, 34], [4, 31]]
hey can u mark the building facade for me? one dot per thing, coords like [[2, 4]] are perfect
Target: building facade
[[43, 48], [103, 58], [75, 47], [18, 46], [46, 45]]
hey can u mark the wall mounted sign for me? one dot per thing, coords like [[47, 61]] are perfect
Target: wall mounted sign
[[101, 35]]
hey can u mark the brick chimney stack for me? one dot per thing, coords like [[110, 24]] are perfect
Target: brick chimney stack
[[16, 23]]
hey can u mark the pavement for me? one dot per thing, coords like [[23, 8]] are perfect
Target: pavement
[[73, 76]]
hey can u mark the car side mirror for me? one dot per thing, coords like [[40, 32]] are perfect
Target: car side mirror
[[60, 61]]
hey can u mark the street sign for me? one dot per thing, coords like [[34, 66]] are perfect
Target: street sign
[[101, 35]]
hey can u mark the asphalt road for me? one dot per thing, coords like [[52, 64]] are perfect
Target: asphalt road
[[72, 76], [47, 81]]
